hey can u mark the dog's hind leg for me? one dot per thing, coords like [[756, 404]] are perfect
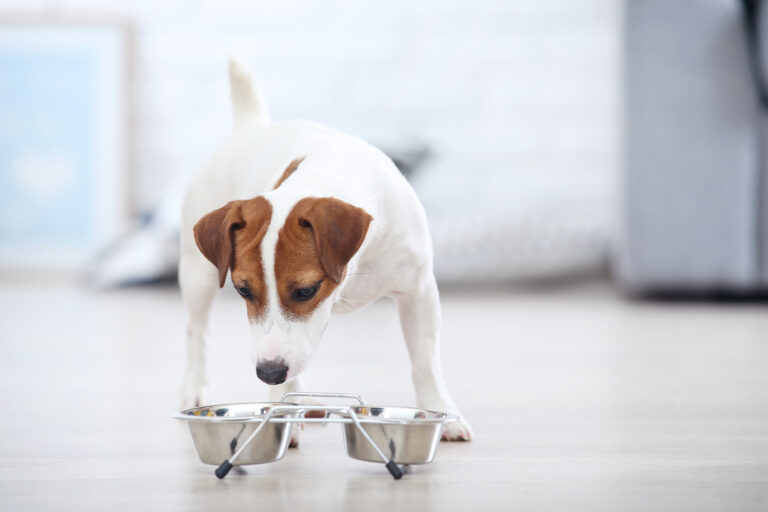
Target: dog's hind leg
[[199, 283], [420, 320]]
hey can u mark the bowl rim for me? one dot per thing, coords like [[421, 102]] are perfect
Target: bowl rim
[[184, 414], [437, 417]]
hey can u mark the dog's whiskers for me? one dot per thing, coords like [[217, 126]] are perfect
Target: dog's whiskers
[[349, 303], [364, 274]]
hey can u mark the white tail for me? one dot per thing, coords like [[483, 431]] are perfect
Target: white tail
[[248, 108]]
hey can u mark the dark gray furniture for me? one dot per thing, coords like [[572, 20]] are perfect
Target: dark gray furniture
[[694, 217]]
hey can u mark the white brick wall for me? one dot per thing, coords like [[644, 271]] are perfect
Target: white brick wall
[[518, 100], [506, 88]]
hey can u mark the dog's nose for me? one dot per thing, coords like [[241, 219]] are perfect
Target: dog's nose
[[272, 372]]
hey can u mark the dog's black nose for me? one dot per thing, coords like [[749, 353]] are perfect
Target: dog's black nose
[[272, 372]]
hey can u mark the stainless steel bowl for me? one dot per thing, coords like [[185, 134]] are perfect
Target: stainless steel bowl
[[219, 430], [405, 435]]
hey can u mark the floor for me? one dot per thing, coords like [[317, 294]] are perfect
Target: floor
[[579, 400]]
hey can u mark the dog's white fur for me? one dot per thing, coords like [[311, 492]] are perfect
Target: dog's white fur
[[394, 260]]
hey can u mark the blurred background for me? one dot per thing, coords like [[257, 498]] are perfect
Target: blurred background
[[608, 156], [511, 108], [578, 136]]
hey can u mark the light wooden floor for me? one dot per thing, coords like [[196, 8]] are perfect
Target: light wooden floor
[[579, 400]]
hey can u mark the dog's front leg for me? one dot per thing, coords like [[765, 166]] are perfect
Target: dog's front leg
[[199, 284], [276, 393], [420, 320]]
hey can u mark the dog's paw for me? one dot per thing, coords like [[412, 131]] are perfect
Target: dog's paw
[[458, 430], [294, 436]]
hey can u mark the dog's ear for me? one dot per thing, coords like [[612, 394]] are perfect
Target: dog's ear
[[214, 234], [339, 230]]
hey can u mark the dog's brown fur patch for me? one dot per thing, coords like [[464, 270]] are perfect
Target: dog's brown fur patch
[[230, 238], [319, 237], [248, 267], [288, 171]]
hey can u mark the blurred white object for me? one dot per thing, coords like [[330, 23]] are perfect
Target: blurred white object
[[524, 227], [149, 253]]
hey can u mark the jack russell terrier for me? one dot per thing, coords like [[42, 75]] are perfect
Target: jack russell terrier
[[308, 221]]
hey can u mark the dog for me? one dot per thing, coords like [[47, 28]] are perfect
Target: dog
[[307, 221]]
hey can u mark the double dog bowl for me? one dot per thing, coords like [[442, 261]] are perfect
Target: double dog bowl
[[257, 433]]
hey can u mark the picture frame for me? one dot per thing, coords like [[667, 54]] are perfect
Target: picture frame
[[64, 139]]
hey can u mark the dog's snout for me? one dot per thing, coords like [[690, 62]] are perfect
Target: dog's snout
[[272, 372]]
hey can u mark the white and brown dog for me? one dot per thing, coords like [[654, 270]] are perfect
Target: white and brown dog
[[309, 221]]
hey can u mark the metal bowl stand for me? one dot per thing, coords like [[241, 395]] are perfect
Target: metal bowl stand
[[343, 414]]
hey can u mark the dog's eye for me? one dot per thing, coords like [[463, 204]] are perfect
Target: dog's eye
[[245, 292], [304, 294]]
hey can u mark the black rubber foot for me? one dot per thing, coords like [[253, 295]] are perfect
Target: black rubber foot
[[222, 470], [394, 470]]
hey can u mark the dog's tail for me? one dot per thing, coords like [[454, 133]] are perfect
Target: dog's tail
[[248, 108]]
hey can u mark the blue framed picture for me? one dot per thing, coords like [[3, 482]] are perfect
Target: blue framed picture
[[63, 187]]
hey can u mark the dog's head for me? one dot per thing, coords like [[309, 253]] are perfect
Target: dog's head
[[287, 258]]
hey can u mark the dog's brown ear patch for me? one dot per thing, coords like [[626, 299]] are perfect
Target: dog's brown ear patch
[[314, 246], [214, 233], [339, 230]]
